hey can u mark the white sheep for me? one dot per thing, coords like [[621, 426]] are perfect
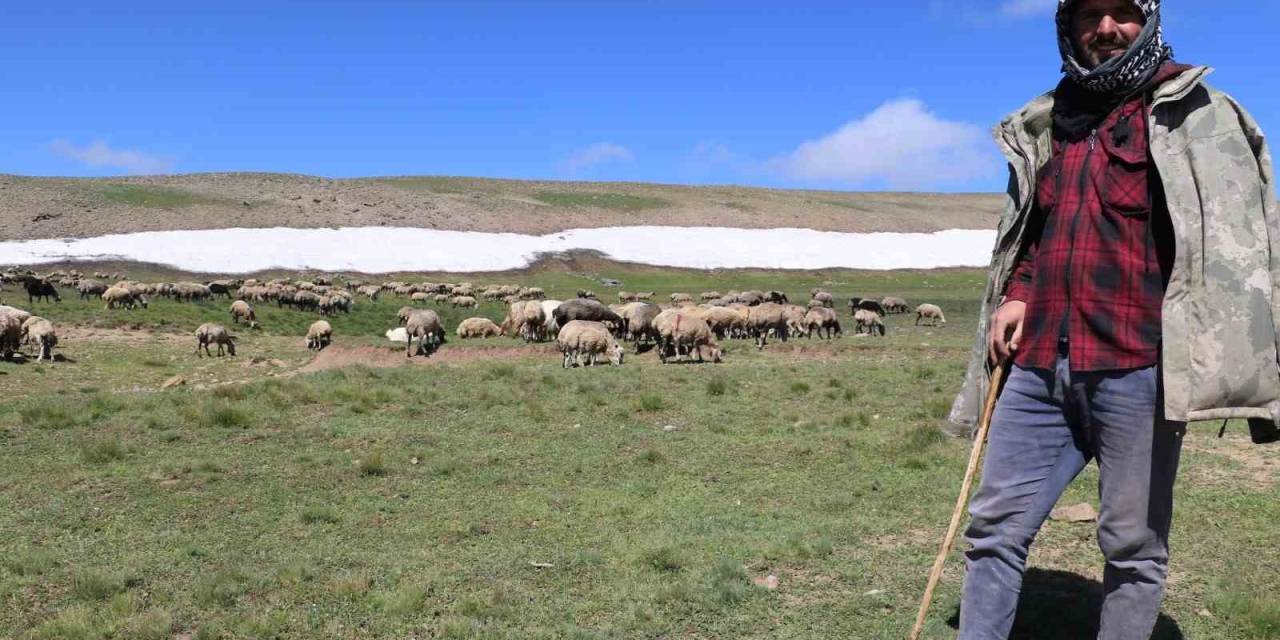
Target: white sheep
[[42, 335], [424, 324], [582, 342], [213, 333], [319, 335], [478, 328], [241, 310], [930, 312]]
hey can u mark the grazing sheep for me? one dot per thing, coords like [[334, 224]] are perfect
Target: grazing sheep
[[873, 306], [582, 343], [10, 334], [118, 296], [466, 302], [821, 319], [419, 296], [42, 335], [38, 288], [549, 325], [241, 310], [91, 288], [825, 298], [869, 321], [319, 335], [727, 322], [586, 295], [424, 324], [626, 296], [776, 297], [930, 312], [794, 315], [212, 333], [478, 328], [708, 296], [585, 309], [644, 296], [370, 291], [894, 304], [681, 298], [683, 333], [534, 325], [638, 319], [766, 319]]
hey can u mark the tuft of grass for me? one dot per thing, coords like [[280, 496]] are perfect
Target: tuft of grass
[[100, 451], [607, 200], [372, 464], [667, 559], [406, 600], [91, 584], [29, 561], [651, 456], [154, 624], [221, 588], [728, 582], [799, 387], [649, 403], [73, 623], [319, 514], [221, 414], [48, 413], [717, 387]]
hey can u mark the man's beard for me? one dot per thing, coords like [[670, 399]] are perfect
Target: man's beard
[[1094, 57]]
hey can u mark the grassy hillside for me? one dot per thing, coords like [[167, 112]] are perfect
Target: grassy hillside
[[63, 207], [489, 493]]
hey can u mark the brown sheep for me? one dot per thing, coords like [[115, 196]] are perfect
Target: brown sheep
[[212, 333]]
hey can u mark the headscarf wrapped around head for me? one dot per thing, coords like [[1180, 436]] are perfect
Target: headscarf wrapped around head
[[1124, 74]]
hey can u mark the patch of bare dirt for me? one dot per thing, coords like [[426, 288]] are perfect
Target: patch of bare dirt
[[1257, 466], [34, 208], [336, 357]]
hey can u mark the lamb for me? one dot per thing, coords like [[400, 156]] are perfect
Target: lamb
[[868, 320], [212, 333], [821, 319], [894, 304], [683, 333], [319, 335], [478, 328], [582, 343], [424, 324], [241, 310], [766, 319], [118, 296], [931, 312]]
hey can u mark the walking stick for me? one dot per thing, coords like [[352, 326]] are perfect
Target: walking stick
[[979, 440]]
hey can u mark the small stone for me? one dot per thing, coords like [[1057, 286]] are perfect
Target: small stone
[[1082, 512], [874, 592], [769, 582], [414, 460], [669, 428], [173, 382], [1204, 613]]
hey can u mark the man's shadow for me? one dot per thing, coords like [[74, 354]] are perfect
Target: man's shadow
[[1058, 605]]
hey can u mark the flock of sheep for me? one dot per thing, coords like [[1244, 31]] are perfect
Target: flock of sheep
[[586, 330]]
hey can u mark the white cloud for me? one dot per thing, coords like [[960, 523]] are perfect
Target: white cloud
[[99, 154], [900, 145], [1027, 8], [595, 155], [710, 156]]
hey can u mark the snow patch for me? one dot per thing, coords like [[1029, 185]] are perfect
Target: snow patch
[[388, 249]]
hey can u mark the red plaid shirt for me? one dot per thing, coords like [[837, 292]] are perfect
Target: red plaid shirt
[[1098, 251]]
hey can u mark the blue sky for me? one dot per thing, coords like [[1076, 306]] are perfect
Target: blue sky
[[847, 94]]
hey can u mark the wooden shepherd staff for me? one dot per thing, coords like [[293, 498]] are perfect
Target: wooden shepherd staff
[[979, 441]]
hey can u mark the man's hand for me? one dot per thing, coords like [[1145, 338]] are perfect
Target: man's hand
[[1005, 333]]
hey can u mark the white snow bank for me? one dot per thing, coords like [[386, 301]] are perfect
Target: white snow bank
[[386, 249]]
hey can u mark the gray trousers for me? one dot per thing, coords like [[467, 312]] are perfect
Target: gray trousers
[[1046, 428]]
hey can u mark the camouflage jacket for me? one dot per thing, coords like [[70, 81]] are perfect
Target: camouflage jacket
[[1221, 309]]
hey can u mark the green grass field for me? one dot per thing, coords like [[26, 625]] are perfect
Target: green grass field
[[489, 493]]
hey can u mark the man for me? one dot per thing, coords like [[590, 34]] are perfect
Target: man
[[1136, 286]]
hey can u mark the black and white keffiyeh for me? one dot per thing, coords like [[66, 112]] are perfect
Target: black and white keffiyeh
[[1123, 74]]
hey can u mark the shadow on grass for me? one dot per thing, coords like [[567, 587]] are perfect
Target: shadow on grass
[[1058, 605]]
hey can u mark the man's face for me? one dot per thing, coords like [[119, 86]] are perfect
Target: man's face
[[1104, 29]]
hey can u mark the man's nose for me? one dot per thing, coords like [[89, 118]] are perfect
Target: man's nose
[[1108, 28]]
